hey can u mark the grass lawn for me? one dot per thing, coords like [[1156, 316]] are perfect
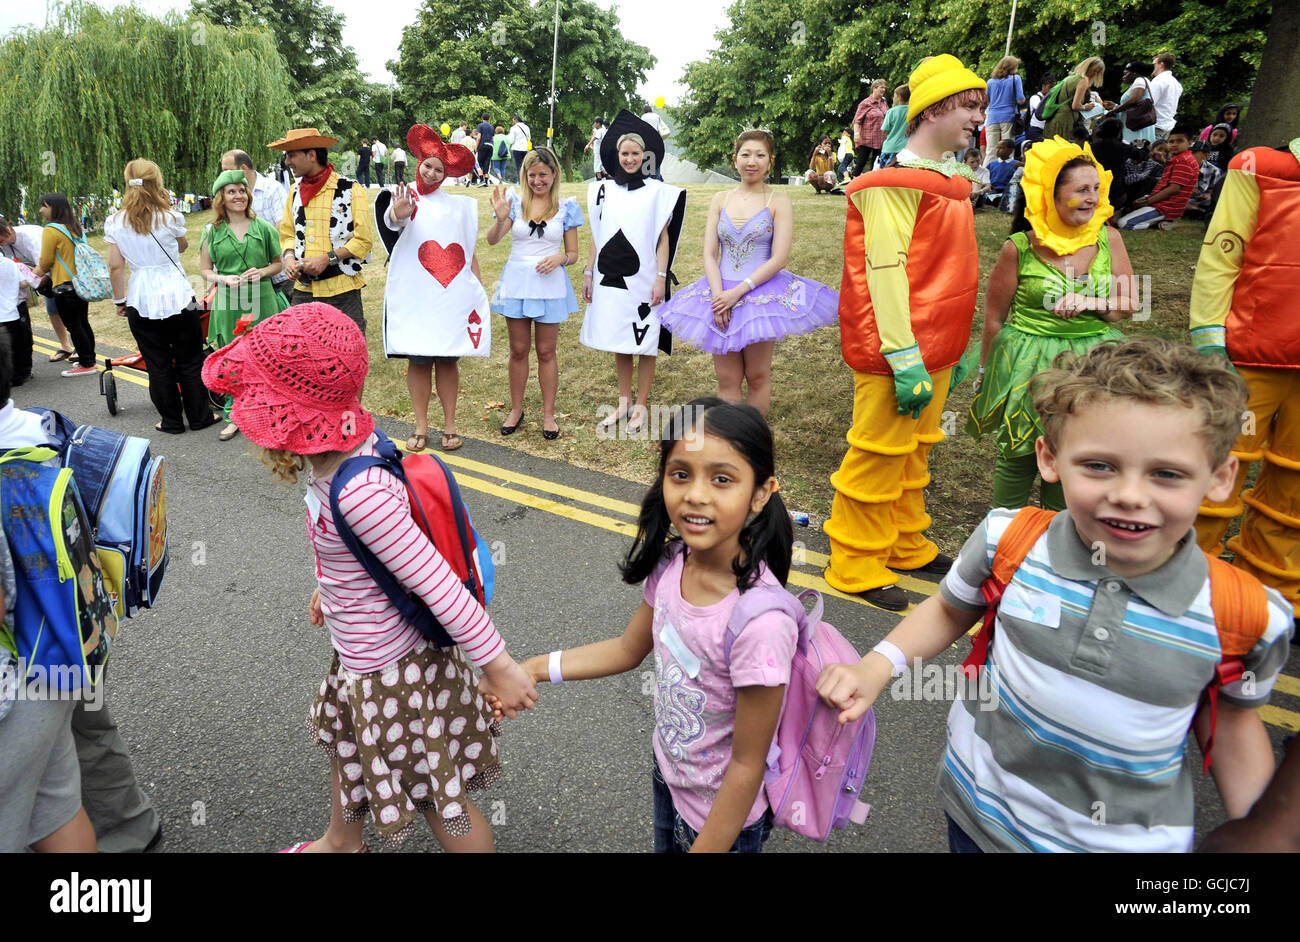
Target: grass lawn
[[812, 387]]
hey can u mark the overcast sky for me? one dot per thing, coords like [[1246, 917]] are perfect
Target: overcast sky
[[675, 31]]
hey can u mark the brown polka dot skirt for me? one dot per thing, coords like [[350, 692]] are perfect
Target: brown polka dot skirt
[[411, 738]]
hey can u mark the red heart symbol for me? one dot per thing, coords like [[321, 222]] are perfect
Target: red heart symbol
[[474, 318], [444, 264], [474, 335]]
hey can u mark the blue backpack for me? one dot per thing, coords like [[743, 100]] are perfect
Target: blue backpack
[[125, 497], [64, 617]]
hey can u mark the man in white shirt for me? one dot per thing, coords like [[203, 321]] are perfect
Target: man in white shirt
[[1036, 125], [378, 153], [399, 164], [268, 197], [519, 135], [461, 136], [660, 125], [1165, 92]]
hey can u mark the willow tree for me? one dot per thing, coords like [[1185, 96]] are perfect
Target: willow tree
[[96, 88]]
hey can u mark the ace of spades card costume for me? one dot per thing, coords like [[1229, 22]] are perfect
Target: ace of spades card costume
[[1243, 302], [626, 215], [433, 304]]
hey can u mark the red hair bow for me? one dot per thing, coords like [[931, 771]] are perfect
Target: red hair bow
[[423, 142]]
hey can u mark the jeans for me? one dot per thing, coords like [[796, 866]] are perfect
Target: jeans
[[399, 173], [675, 836], [379, 174], [959, 841], [363, 175], [499, 167]]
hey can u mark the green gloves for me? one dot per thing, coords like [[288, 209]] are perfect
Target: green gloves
[[962, 369], [912, 384]]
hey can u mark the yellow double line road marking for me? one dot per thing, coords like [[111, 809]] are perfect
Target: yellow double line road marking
[[126, 373]]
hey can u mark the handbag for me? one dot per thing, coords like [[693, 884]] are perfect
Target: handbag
[[1143, 114]]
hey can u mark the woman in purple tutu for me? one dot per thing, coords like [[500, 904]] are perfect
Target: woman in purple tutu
[[746, 301]]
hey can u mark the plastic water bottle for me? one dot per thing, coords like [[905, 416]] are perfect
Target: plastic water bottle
[[799, 517]]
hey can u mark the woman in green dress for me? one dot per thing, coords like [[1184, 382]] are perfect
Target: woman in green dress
[[1061, 280], [238, 253], [1074, 98]]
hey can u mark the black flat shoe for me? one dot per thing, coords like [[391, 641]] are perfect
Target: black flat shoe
[[511, 429], [889, 597], [550, 434], [934, 570]]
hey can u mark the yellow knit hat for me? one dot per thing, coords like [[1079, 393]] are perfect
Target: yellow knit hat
[[935, 79]]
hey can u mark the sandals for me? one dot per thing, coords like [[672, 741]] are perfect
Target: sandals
[[641, 415], [451, 441], [60, 356], [610, 421], [417, 442], [303, 845], [170, 431]]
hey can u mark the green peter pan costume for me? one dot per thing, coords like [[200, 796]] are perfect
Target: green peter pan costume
[[1027, 344], [231, 255]]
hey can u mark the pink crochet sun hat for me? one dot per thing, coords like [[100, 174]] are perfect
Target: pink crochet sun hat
[[296, 379]]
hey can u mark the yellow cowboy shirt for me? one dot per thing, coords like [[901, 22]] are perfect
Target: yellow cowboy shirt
[[318, 238]]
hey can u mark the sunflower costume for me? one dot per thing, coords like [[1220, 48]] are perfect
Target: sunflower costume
[[1033, 335]]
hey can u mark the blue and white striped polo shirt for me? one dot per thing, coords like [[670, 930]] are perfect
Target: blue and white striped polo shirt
[[1097, 679]]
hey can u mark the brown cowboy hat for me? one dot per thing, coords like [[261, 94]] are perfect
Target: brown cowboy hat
[[303, 139]]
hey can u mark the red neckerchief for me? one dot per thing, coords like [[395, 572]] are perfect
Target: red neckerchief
[[308, 187], [420, 186]]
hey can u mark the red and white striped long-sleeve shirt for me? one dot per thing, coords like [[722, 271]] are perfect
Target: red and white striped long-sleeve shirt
[[365, 628]]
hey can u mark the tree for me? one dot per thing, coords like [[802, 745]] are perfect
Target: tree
[[457, 54], [799, 67], [327, 89], [1271, 120], [97, 88]]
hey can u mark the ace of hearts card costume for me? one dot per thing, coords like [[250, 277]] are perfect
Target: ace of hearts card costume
[[626, 215], [433, 304]]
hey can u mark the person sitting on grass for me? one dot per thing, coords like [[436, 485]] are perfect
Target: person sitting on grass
[[1137, 434], [1165, 205], [982, 186], [1001, 168]]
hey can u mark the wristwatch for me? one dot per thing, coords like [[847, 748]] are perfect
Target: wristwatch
[[333, 259]]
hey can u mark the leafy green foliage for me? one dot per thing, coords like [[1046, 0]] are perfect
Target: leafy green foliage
[[97, 88], [470, 56], [799, 67]]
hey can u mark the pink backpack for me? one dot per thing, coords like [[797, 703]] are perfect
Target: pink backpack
[[816, 766]]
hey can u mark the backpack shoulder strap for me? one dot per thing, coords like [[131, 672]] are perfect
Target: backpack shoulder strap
[[1018, 539], [1014, 545], [1240, 607], [762, 599]]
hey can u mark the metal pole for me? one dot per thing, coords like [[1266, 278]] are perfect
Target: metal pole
[[1010, 27], [555, 51]]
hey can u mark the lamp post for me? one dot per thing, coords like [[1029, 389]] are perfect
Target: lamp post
[[555, 51], [1010, 27]]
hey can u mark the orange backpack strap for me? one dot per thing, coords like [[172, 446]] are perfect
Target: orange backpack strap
[[1240, 607], [1017, 540]]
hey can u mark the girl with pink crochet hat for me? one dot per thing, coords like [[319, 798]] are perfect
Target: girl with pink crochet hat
[[406, 731]]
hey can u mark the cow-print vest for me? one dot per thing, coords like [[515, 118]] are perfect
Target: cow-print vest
[[341, 227]]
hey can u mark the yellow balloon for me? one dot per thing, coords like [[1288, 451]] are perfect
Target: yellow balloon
[[446, 129], [659, 102]]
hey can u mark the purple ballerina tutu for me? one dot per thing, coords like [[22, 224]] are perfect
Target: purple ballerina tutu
[[785, 305]]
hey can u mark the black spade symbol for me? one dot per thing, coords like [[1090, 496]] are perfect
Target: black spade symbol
[[644, 310], [617, 260]]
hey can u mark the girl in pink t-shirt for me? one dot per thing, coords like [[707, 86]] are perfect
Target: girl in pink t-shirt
[[711, 527], [407, 733]]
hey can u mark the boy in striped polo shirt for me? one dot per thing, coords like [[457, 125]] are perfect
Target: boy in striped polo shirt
[[1105, 636]]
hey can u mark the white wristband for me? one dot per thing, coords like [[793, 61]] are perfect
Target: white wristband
[[895, 655], [750, 283], [553, 667]]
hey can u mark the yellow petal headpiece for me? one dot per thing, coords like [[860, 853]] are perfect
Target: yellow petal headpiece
[[1043, 165]]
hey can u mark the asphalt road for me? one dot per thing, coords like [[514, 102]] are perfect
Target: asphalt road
[[211, 688]]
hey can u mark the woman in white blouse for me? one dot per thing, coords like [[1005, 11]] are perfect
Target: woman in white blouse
[[159, 304]]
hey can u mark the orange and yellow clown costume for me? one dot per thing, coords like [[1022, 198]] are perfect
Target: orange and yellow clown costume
[[1247, 280], [907, 301]]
